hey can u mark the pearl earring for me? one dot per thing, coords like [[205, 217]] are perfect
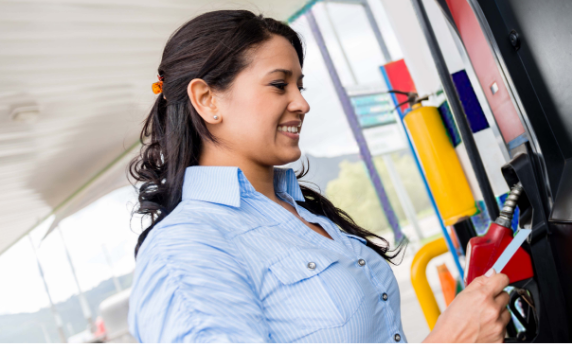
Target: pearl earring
[[215, 117]]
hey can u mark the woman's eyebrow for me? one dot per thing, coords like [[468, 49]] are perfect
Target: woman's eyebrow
[[286, 72]]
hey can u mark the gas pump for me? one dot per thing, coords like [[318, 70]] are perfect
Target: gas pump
[[535, 72], [520, 51], [536, 296]]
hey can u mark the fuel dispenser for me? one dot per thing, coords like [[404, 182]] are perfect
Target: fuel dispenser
[[520, 51], [536, 296]]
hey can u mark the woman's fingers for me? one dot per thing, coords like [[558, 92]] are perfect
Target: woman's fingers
[[487, 320], [496, 283], [505, 317], [502, 300]]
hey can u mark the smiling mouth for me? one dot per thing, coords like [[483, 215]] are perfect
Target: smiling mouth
[[290, 129]]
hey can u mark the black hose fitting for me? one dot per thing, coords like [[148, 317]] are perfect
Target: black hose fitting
[[507, 212]]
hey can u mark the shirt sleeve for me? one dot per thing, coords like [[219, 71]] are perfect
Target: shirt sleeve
[[189, 286]]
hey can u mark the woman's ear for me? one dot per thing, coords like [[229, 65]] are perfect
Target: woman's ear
[[204, 101]]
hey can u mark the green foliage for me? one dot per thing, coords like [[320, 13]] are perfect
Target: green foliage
[[353, 192]]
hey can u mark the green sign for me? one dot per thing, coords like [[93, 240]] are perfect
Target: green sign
[[373, 110]]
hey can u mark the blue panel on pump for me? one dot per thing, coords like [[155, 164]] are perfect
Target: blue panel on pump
[[471, 105]]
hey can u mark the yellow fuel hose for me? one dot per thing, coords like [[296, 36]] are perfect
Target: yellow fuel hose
[[419, 281]]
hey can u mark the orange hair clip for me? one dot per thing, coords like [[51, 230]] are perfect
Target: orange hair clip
[[157, 87]]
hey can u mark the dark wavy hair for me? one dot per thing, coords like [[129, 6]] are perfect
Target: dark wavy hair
[[211, 47]]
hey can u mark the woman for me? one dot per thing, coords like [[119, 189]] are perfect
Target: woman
[[236, 250]]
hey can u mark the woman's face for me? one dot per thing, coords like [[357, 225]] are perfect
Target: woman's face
[[263, 110]]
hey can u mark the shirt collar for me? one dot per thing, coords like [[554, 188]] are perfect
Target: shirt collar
[[226, 185]]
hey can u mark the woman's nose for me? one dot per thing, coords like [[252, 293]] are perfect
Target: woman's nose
[[299, 104]]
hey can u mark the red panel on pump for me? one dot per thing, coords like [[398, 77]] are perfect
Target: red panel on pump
[[485, 67], [400, 80], [483, 252]]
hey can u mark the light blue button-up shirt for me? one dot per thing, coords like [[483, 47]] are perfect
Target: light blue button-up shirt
[[230, 265]]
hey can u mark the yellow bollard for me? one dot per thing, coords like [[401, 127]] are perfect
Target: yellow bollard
[[419, 281]]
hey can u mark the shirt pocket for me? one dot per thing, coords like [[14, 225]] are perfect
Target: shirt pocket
[[315, 290]]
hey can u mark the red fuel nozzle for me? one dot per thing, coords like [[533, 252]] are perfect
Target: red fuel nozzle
[[482, 252]]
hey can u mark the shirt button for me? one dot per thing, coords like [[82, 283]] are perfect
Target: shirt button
[[384, 296], [397, 337], [361, 262], [311, 265]]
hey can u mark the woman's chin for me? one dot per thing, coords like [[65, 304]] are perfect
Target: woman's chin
[[289, 156]]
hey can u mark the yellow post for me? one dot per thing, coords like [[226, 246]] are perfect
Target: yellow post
[[419, 281]]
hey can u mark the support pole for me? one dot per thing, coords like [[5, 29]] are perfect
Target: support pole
[[82, 301], [458, 112], [356, 129], [372, 24], [45, 332], [339, 41], [57, 318], [376, 31]]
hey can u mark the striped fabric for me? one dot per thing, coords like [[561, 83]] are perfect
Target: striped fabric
[[230, 265]]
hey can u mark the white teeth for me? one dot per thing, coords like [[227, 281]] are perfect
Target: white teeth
[[289, 129]]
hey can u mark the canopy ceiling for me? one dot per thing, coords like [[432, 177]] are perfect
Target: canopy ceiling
[[75, 85]]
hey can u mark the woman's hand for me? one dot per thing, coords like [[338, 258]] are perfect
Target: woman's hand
[[477, 314]]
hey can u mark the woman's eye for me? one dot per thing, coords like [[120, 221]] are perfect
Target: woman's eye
[[301, 88], [280, 86]]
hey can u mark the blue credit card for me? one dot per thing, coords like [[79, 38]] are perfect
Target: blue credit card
[[511, 249]]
